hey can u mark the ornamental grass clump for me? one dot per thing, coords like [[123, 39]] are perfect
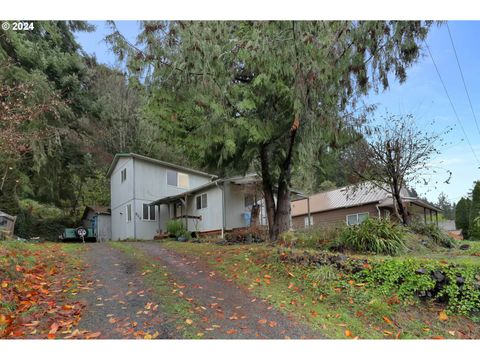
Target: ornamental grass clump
[[379, 236]]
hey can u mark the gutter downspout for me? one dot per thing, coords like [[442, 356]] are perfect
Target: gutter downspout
[[379, 213], [222, 188], [309, 216]]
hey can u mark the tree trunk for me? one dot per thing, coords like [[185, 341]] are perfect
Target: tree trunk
[[267, 189], [402, 212]]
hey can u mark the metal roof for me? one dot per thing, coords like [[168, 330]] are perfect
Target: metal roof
[[155, 161], [3, 214], [348, 196]]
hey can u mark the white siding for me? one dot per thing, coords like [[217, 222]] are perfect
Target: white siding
[[211, 215], [235, 204], [121, 195]]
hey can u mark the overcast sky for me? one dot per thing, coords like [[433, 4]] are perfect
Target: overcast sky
[[422, 95]]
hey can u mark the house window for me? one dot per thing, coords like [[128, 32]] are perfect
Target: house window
[[249, 200], [175, 178], [355, 219], [123, 175], [148, 212], [152, 212], [305, 220], [201, 201], [3, 221], [129, 212]]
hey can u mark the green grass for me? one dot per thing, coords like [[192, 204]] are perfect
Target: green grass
[[332, 306], [167, 296]]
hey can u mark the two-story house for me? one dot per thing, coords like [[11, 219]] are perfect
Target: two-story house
[[146, 193]]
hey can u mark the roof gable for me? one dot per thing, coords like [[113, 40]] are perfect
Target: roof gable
[[156, 162]]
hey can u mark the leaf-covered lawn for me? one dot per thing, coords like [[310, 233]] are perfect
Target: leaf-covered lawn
[[38, 288], [339, 308]]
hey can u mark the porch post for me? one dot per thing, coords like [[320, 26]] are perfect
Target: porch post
[[436, 217], [186, 215], [431, 217], [425, 215]]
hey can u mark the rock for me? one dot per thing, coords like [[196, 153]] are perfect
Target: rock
[[464, 247], [460, 280], [421, 271], [424, 242], [438, 275]]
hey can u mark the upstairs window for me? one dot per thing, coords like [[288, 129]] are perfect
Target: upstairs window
[[178, 179], [123, 175], [201, 201]]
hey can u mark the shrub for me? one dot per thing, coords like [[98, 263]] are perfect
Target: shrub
[[432, 231], [176, 227], [379, 236], [457, 286], [249, 235]]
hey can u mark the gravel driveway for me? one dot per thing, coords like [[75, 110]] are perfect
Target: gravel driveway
[[226, 310]]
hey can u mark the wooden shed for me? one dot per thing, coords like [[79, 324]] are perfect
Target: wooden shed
[[7, 225]]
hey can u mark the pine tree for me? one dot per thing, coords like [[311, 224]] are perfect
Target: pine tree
[[474, 226]]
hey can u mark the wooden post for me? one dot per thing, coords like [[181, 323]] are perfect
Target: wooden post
[[186, 216], [436, 217], [431, 217], [425, 215]]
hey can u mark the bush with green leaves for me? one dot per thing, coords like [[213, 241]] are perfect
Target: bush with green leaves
[[458, 286], [176, 227], [433, 232], [379, 236]]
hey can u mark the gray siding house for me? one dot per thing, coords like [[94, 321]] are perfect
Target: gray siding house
[[146, 193]]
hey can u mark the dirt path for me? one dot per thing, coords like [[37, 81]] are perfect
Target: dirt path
[[119, 304], [227, 311]]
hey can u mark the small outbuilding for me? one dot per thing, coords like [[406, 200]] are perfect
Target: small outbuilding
[[98, 218], [7, 225]]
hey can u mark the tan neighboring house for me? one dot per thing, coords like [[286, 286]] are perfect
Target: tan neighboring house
[[352, 205]]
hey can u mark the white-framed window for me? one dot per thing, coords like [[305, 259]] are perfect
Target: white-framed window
[[305, 221], [355, 219], [201, 201], [249, 200], [178, 179], [123, 175], [128, 212], [148, 212]]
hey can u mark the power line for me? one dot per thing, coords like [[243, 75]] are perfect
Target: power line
[[463, 79], [451, 103]]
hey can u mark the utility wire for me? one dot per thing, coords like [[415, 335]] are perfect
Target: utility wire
[[463, 79], [451, 103]]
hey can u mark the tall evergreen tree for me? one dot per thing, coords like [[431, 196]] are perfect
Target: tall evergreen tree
[[462, 216]]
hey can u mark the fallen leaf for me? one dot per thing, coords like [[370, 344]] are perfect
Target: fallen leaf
[[442, 315], [451, 332], [272, 324], [387, 320], [93, 335], [231, 331], [348, 333], [189, 321], [262, 321]]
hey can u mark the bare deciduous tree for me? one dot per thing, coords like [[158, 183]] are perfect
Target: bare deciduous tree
[[397, 154]]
